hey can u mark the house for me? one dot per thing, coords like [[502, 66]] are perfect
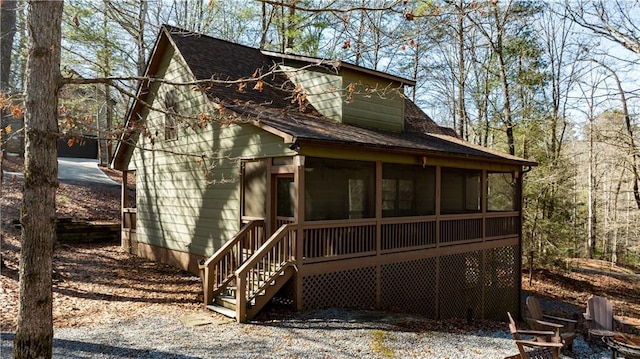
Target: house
[[320, 184]]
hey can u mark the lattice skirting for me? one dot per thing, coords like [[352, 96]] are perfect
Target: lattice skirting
[[479, 284], [348, 289], [410, 286]]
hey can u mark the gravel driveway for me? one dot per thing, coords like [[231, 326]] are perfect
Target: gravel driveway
[[317, 334]]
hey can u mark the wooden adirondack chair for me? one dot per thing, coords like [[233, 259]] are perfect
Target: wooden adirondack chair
[[536, 348], [599, 317], [565, 329]]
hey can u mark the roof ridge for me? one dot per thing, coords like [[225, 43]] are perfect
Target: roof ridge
[[178, 30], [170, 29]]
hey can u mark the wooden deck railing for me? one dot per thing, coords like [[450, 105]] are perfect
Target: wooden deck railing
[[408, 233], [460, 229], [500, 224], [338, 239], [268, 262], [219, 269], [343, 239]]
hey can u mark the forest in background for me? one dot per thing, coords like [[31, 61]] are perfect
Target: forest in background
[[547, 81]]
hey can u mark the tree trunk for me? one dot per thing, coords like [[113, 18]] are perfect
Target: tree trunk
[[34, 334], [462, 111], [265, 26], [508, 121], [7, 32], [141, 62], [592, 205]]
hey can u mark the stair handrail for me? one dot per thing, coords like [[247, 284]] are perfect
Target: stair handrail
[[287, 258], [212, 280]]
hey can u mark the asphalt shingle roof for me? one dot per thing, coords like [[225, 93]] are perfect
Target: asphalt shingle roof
[[211, 58]]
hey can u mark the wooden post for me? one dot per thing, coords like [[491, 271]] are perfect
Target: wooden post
[[438, 201], [207, 284], [125, 240], [241, 297], [123, 194], [484, 185], [299, 240], [378, 210], [270, 213]]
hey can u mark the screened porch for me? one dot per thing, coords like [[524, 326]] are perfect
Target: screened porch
[[435, 240]]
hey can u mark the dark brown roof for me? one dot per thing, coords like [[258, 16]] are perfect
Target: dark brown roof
[[416, 121], [272, 108], [301, 128], [211, 58]]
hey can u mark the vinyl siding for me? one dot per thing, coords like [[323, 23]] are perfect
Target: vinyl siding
[[323, 89], [180, 205], [376, 102]]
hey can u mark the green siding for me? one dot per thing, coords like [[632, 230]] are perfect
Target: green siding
[[376, 102], [180, 205], [323, 89]]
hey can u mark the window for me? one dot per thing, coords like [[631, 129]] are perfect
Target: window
[[170, 106], [407, 190], [501, 192], [339, 189], [398, 195], [460, 191]]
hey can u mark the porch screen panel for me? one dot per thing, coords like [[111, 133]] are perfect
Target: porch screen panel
[[408, 190], [286, 192], [339, 189], [501, 192], [255, 188], [461, 191]]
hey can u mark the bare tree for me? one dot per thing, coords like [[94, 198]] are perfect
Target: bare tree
[[634, 150], [495, 33], [591, 102], [459, 29], [614, 20]]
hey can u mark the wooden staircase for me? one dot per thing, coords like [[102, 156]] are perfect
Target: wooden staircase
[[225, 303], [243, 275]]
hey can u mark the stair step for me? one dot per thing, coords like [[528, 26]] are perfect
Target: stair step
[[226, 301], [222, 310]]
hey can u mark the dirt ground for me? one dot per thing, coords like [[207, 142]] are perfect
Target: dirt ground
[[99, 282], [92, 282]]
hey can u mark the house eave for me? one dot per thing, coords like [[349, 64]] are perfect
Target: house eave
[[287, 138], [302, 142]]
